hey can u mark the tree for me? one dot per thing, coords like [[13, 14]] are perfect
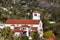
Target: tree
[[1, 1], [35, 35], [55, 15], [6, 33], [45, 18]]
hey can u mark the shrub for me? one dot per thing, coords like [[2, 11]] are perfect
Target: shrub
[[24, 38], [35, 35], [32, 33], [49, 34]]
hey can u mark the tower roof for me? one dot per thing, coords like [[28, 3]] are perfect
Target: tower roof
[[36, 11]]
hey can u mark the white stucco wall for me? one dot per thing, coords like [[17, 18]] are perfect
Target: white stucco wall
[[17, 34], [12, 27], [36, 17], [35, 25], [27, 32], [39, 28], [7, 25]]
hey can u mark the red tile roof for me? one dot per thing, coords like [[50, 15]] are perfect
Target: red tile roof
[[34, 28], [11, 21], [17, 30], [25, 26], [12, 25], [51, 38], [36, 11]]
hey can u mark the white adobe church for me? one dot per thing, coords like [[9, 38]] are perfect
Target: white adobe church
[[24, 27]]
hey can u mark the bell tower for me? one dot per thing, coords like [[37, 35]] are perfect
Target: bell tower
[[36, 15]]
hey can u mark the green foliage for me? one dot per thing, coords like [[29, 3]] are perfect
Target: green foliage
[[45, 18], [24, 38], [51, 25], [56, 29], [1, 1], [6, 33], [55, 15], [24, 6], [35, 35], [32, 34], [15, 38], [49, 34], [21, 6]]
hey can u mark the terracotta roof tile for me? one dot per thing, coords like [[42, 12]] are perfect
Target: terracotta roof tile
[[17, 30], [36, 11], [34, 28], [51, 38], [10, 21], [25, 26], [12, 25]]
